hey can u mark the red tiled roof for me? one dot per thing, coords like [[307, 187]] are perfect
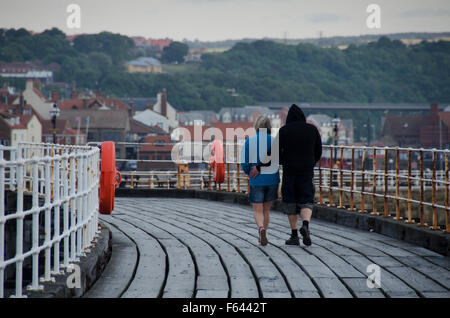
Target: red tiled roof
[[116, 103]]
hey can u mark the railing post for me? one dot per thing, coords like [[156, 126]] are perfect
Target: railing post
[[320, 183], [352, 181], [386, 183], [2, 221], [56, 212], [178, 177], [397, 184], [228, 177], [341, 181], [47, 221], [433, 192], [238, 178], [421, 211], [447, 207], [363, 164], [331, 178], [409, 189], [35, 226], [374, 180], [19, 222]]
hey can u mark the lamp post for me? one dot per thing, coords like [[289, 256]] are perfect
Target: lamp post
[[335, 122], [368, 126], [54, 112]]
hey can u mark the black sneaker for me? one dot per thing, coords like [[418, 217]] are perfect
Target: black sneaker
[[306, 238], [293, 241], [262, 236]]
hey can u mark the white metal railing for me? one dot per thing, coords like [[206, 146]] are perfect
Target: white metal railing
[[48, 211]]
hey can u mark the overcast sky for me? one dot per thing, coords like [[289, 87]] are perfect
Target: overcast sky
[[209, 20]]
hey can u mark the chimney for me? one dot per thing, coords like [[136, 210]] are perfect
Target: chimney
[[29, 84], [164, 103], [55, 96], [131, 109], [21, 104]]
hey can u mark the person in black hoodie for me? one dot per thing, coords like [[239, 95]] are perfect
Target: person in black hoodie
[[300, 148]]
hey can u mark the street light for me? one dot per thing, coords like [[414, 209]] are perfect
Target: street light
[[368, 126], [335, 122], [54, 112]]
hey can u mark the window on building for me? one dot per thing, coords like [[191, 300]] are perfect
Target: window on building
[[112, 135]]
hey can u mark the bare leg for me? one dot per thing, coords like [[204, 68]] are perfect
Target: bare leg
[[306, 214], [258, 214], [266, 211], [293, 220], [304, 230]]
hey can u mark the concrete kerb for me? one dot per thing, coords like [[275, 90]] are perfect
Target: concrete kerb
[[436, 241], [91, 268]]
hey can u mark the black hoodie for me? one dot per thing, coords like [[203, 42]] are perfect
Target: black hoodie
[[300, 144]]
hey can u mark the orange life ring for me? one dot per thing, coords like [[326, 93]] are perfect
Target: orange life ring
[[217, 161], [108, 177]]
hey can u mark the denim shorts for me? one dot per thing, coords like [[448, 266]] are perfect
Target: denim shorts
[[260, 194]]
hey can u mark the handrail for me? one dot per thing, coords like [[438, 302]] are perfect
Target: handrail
[[410, 184], [55, 191]]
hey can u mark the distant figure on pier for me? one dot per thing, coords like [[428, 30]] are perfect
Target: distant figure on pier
[[300, 149], [263, 187]]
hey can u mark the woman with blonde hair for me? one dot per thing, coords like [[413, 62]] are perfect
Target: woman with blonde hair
[[263, 187]]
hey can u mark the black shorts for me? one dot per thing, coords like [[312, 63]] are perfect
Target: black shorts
[[298, 192]]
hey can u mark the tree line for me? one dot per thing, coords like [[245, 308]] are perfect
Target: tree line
[[381, 71]]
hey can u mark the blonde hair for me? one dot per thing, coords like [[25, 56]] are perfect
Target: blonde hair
[[263, 122]]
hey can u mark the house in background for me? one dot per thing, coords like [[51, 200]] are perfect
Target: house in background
[[155, 148], [249, 114], [197, 117], [417, 130], [37, 100], [144, 65], [325, 126], [27, 70], [162, 114], [101, 125], [19, 124], [65, 134]]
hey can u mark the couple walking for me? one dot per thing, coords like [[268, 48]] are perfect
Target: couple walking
[[300, 148]]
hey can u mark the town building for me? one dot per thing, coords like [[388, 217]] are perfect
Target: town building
[[27, 70], [156, 147], [144, 65], [19, 124], [249, 114], [36, 99], [101, 125], [197, 117], [326, 127], [417, 130], [162, 114]]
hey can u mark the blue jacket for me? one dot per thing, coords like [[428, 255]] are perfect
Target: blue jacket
[[248, 160]]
